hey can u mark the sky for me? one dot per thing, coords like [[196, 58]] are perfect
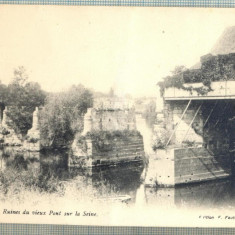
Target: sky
[[127, 48]]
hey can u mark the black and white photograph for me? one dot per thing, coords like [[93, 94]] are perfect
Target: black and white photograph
[[117, 116]]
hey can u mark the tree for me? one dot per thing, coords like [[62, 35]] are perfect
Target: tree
[[178, 69], [175, 80], [62, 116], [22, 98]]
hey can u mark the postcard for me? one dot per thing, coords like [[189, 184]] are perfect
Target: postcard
[[119, 116]]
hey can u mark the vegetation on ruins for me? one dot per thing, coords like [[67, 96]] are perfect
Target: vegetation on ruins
[[104, 140], [181, 76], [160, 139], [62, 116], [146, 107], [110, 135], [213, 68]]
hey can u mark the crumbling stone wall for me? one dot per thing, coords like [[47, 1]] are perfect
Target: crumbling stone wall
[[109, 116], [109, 136], [8, 136], [107, 148], [32, 140], [108, 120]]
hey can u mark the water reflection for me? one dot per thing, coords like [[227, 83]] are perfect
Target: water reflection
[[49, 169], [145, 127], [121, 180], [49, 172], [211, 194]]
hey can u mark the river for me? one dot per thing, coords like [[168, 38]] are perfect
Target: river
[[48, 173]]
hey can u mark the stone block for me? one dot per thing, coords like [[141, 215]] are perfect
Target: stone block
[[169, 167], [103, 150]]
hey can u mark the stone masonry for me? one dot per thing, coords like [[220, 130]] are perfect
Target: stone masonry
[[8, 137], [109, 136], [7, 134], [32, 142], [109, 115], [187, 138]]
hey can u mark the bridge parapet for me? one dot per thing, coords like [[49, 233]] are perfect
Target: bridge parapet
[[219, 90]]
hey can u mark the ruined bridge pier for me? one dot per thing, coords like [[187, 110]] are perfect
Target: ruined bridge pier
[[194, 136]]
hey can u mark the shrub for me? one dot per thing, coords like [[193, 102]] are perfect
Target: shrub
[[33, 140], [213, 68]]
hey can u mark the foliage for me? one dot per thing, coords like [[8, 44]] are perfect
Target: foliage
[[3, 92], [62, 115], [176, 80], [81, 142], [4, 131], [33, 140], [179, 69], [18, 178], [188, 76], [104, 140], [146, 107], [110, 135], [189, 143], [160, 138], [214, 68], [22, 97]]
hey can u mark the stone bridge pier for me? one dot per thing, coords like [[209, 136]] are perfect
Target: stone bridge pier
[[194, 138]]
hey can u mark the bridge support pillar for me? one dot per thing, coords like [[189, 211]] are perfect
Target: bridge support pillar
[[184, 151], [183, 165], [161, 169]]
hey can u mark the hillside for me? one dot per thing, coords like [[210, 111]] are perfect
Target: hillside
[[224, 45], [226, 42]]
